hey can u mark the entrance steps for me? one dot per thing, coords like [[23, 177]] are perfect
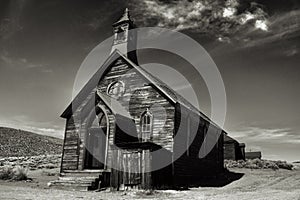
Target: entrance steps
[[81, 180]]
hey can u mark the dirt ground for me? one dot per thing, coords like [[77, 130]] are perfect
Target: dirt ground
[[255, 184]]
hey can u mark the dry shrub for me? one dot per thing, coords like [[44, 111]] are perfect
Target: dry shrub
[[6, 173], [258, 164], [18, 173], [270, 165], [284, 165]]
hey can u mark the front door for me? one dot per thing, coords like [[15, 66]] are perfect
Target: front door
[[132, 168], [95, 148]]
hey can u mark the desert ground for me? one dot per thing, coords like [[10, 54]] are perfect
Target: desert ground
[[255, 184]]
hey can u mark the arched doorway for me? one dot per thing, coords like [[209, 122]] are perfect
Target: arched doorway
[[96, 140]]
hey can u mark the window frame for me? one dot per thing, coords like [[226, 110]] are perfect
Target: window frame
[[146, 126]]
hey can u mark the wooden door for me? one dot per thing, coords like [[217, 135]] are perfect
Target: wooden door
[[132, 168], [95, 148]]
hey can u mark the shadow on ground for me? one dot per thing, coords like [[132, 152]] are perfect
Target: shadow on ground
[[221, 180]]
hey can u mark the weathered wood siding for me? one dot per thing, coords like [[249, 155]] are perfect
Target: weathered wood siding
[[190, 166], [70, 148], [73, 142], [87, 116], [253, 155], [230, 151], [162, 176], [140, 95], [76, 130]]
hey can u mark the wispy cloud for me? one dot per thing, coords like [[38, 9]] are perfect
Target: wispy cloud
[[274, 143], [222, 19], [22, 63], [8, 27], [10, 24], [281, 27], [271, 135], [231, 20], [291, 52]]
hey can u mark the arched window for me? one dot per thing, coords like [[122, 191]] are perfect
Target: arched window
[[146, 126]]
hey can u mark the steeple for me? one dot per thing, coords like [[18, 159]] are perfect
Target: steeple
[[125, 36], [125, 18]]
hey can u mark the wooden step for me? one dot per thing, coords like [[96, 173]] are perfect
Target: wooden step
[[81, 180], [82, 173], [76, 183], [68, 183], [71, 187]]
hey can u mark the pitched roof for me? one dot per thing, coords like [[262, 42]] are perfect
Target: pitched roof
[[229, 139], [168, 92]]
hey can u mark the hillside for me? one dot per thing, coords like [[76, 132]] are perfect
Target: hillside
[[15, 142]]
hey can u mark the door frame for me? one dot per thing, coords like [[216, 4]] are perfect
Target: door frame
[[126, 158], [88, 122]]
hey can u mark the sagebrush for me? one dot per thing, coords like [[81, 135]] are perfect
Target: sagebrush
[[258, 164], [18, 173]]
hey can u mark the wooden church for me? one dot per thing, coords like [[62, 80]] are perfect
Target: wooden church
[[115, 138]]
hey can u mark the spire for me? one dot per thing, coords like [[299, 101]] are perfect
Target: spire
[[125, 17], [125, 36]]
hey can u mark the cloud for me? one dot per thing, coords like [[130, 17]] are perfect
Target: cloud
[[10, 24], [274, 143], [219, 18], [281, 27], [291, 52], [21, 63], [261, 24], [246, 24], [258, 134], [8, 27]]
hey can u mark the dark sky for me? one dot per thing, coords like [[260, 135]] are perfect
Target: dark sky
[[255, 45]]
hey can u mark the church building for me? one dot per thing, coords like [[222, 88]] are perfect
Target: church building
[[115, 138]]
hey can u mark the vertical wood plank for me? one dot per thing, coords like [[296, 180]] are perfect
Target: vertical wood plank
[[114, 178]]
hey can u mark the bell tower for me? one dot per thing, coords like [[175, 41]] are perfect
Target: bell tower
[[125, 37]]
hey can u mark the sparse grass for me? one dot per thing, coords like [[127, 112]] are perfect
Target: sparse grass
[[50, 173], [145, 192]]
